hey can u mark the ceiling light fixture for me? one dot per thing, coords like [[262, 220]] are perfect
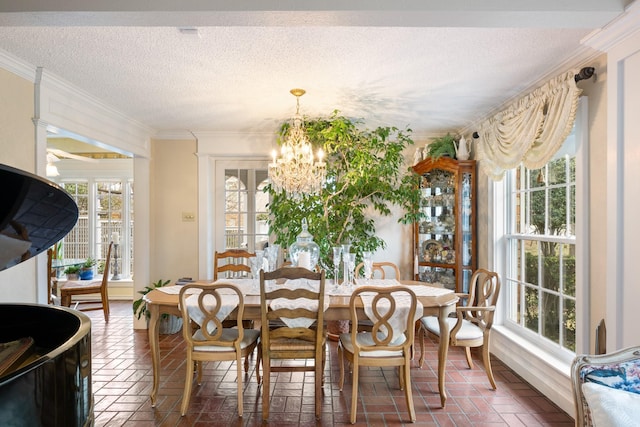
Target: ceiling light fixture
[[296, 171]]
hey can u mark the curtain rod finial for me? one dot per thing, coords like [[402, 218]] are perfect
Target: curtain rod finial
[[585, 73]]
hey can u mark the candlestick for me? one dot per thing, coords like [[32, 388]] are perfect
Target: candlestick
[[116, 254]]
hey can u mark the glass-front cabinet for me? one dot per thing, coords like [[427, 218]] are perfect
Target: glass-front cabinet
[[445, 240]]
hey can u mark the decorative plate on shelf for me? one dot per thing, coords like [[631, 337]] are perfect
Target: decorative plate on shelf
[[431, 248]]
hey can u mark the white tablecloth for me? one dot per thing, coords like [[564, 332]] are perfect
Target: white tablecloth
[[251, 287]]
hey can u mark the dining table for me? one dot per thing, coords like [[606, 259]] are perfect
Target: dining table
[[436, 301]]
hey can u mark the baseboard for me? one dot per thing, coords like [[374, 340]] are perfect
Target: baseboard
[[546, 373]]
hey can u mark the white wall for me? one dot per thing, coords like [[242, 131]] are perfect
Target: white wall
[[621, 41]]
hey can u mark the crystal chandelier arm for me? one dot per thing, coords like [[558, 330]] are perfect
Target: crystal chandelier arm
[[297, 172]]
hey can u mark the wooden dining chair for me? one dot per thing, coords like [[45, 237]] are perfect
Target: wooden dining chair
[[52, 280], [379, 347], [472, 326], [221, 344], [381, 270], [231, 263], [291, 342], [71, 289]]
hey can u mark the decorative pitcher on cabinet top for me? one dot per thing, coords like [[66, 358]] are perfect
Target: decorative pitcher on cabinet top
[[463, 149]]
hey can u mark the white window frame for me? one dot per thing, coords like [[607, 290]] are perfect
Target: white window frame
[[104, 171], [497, 257], [221, 167]]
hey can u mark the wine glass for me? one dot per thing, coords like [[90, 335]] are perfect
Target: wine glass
[[368, 265], [255, 264], [271, 253], [349, 266], [337, 256]]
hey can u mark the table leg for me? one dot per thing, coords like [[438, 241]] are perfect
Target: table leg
[[154, 311], [443, 349]]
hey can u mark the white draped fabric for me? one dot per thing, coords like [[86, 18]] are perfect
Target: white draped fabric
[[531, 130]]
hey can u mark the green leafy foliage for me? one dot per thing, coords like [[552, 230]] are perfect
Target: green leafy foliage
[[139, 306], [442, 146], [72, 269], [365, 178], [546, 303]]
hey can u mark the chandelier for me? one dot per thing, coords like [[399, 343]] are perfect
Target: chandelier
[[297, 172]]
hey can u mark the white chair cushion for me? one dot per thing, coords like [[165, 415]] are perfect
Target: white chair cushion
[[468, 331], [365, 339], [228, 334], [611, 407]]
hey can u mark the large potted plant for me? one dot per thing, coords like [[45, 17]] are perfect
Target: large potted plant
[[366, 175], [169, 324]]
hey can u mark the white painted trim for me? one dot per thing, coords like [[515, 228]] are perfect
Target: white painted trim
[[206, 221], [208, 204], [236, 144], [619, 46], [69, 108], [616, 31], [583, 238], [547, 374], [142, 230], [17, 66]]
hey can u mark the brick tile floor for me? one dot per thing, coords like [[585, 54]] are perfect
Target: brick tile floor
[[122, 381]]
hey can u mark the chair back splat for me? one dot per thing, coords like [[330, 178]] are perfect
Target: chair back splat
[[207, 306], [381, 270], [472, 326], [392, 310], [232, 263], [295, 296]]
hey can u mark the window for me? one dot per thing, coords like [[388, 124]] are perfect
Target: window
[[245, 212], [105, 206], [541, 256]]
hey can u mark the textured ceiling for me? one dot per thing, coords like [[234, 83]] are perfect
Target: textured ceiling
[[238, 77]]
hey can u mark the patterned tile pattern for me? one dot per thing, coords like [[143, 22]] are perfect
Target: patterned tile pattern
[[122, 382]]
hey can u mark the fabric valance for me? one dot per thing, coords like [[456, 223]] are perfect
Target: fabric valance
[[531, 130]]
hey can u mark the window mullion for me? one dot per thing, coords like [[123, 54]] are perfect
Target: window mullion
[[92, 220]]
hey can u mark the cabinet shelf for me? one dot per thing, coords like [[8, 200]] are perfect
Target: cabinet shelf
[[445, 240]]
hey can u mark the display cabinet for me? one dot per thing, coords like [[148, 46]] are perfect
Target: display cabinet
[[445, 239]]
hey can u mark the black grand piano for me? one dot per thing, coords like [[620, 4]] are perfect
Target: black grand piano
[[45, 351]]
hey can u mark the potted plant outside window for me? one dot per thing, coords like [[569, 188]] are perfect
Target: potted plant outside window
[[169, 324], [86, 269], [72, 272]]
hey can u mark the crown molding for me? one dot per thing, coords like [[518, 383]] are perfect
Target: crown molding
[[17, 66], [53, 81], [199, 135], [625, 25]]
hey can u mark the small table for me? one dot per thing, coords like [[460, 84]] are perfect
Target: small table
[[159, 302]]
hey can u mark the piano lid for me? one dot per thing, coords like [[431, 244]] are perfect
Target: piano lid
[[34, 214]]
